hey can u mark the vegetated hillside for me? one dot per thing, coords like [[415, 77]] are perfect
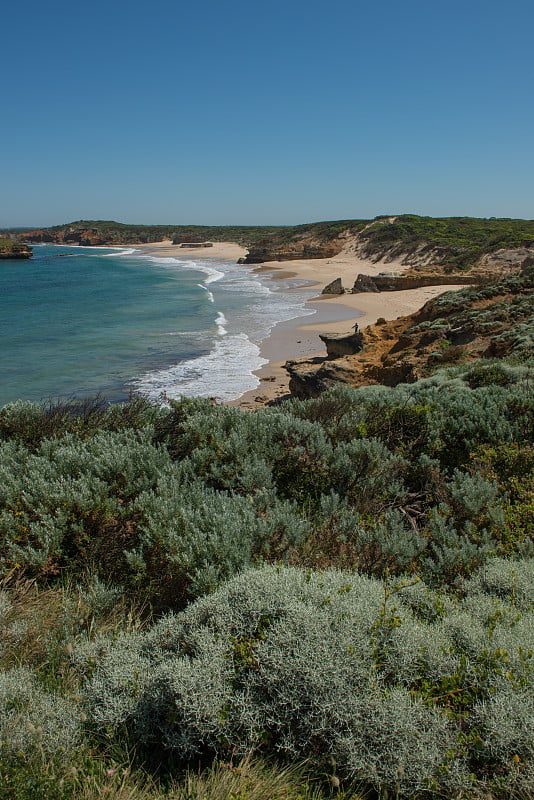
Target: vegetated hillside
[[253, 236], [487, 321], [350, 581], [11, 249], [98, 232], [457, 243], [453, 243]]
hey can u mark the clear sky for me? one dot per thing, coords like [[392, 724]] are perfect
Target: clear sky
[[226, 111]]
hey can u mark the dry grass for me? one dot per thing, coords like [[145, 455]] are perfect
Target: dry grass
[[39, 625], [249, 779]]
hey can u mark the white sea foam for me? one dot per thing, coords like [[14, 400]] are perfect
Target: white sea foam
[[210, 295], [243, 283], [127, 252], [164, 260], [212, 273], [221, 321], [121, 251], [226, 373]]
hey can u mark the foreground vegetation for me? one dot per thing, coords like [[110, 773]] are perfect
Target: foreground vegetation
[[332, 597]]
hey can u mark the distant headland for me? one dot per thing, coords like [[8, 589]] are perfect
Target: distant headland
[[10, 249]]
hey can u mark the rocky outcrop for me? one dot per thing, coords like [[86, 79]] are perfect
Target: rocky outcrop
[[394, 283], [492, 321], [69, 235], [196, 244], [292, 251], [334, 287], [506, 259], [10, 250], [364, 283], [342, 344], [310, 378]]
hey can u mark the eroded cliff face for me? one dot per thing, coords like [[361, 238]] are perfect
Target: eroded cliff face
[[293, 251], [88, 237], [395, 283]]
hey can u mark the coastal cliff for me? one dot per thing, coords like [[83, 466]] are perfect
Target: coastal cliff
[[479, 322], [14, 250], [91, 234], [108, 232], [308, 247], [396, 283]]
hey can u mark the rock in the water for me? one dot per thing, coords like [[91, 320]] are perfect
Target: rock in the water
[[335, 287]]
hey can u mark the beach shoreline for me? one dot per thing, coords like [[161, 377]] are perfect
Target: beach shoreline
[[298, 338]]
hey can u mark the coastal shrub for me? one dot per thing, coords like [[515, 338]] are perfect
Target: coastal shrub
[[402, 688], [485, 374], [247, 452], [30, 423], [193, 537], [367, 474], [117, 502], [62, 503], [507, 580], [453, 552], [33, 720], [511, 466], [442, 414], [169, 502]]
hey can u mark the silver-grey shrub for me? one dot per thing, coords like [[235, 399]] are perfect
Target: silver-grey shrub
[[117, 503], [402, 688], [51, 500], [32, 719], [201, 537]]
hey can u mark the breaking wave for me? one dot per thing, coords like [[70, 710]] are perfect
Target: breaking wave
[[224, 374]]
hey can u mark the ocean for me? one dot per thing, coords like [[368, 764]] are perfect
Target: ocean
[[81, 321]]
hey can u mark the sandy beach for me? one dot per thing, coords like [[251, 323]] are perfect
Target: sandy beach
[[166, 249], [299, 338]]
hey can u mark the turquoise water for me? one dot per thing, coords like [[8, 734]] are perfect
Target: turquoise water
[[76, 321]]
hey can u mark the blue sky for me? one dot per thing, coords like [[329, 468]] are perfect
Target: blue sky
[[265, 112]]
